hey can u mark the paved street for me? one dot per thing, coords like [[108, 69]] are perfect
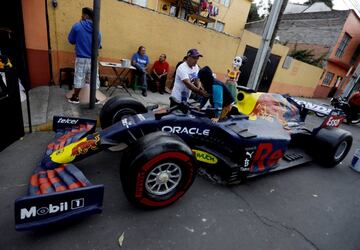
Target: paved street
[[308, 207]]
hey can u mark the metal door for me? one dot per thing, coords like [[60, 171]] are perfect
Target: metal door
[[265, 83]]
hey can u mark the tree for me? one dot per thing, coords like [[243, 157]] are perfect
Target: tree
[[259, 11], [253, 14], [264, 8], [307, 56], [327, 2]]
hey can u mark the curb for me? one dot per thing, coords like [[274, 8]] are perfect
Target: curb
[[48, 126]]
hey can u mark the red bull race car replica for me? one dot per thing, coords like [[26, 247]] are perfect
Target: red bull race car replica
[[164, 149]]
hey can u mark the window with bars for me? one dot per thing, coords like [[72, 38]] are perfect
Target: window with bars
[[225, 2], [137, 2], [328, 78], [344, 42], [218, 26]]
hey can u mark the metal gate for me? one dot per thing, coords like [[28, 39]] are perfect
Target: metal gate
[[265, 83]]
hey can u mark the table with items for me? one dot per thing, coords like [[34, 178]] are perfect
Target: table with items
[[122, 72]]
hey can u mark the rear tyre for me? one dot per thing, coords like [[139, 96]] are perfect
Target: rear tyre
[[332, 146], [354, 118], [356, 121], [157, 170], [117, 108]]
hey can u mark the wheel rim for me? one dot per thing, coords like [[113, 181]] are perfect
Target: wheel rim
[[355, 121], [341, 150], [121, 114], [163, 179]]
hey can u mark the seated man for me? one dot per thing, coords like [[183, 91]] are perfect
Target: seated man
[[159, 74], [141, 61], [220, 97]]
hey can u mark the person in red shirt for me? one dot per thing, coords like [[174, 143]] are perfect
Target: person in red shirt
[[354, 102], [159, 74]]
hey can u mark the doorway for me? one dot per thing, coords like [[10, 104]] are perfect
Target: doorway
[[265, 83]]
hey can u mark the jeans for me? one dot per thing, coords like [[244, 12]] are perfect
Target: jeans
[[161, 81], [141, 72]]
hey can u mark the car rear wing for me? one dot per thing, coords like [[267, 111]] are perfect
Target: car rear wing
[[320, 109], [334, 117], [59, 192]]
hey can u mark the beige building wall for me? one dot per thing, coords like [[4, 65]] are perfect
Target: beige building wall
[[234, 16], [124, 27], [300, 79]]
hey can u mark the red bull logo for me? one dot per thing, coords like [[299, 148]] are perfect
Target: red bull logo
[[83, 147]]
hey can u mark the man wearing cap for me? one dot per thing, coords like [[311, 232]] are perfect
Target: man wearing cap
[[81, 36], [186, 79]]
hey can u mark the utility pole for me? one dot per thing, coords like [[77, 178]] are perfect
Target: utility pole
[[95, 53], [267, 38], [268, 53]]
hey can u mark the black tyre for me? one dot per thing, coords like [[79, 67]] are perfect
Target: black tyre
[[332, 146], [157, 170], [117, 108], [356, 121]]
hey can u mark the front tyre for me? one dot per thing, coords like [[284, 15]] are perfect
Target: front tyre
[[157, 170], [117, 108]]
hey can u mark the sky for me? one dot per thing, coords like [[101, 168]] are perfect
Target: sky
[[338, 4]]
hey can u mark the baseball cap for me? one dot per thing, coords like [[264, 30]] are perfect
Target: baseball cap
[[194, 53]]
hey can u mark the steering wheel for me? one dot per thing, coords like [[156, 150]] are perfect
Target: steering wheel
[[182, 106]]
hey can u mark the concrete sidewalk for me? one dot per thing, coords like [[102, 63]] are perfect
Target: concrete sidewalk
[[47, 101]]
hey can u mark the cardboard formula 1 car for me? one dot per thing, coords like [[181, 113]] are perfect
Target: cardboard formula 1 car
[[164, 149]]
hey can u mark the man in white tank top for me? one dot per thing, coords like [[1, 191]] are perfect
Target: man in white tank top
[[186, 78]]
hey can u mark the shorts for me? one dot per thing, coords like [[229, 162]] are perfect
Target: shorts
[[83, 72]]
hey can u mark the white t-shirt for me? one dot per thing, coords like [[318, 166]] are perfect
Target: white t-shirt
[[180, 91]]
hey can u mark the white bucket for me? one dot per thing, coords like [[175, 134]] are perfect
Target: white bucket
[[355, 163], [125, 62]]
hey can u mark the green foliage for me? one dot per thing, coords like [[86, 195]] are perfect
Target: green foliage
[[259, 11], [327, 2], [253, 14], [307, 56]]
